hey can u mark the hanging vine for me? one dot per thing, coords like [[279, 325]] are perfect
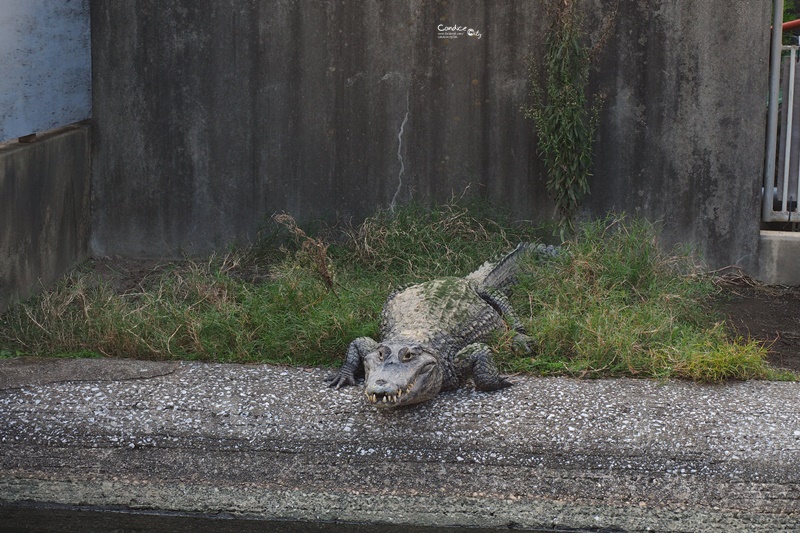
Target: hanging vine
[[564, 119]]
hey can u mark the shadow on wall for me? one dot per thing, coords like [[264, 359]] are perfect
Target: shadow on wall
[[44, 210]]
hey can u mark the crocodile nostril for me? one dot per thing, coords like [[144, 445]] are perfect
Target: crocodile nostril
[[380, 382]]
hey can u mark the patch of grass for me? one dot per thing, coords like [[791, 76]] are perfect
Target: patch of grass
[[301, 304], [9, 354], [417, 243], [612, 304], [193, 311]]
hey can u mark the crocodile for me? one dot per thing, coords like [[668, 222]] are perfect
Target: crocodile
[[433, 336]]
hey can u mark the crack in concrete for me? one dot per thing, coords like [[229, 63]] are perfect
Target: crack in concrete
[[393, 203]]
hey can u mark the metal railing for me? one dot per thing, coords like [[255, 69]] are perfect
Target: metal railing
[[776, 206], [782, 183]]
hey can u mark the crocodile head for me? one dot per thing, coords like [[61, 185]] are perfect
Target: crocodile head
[[399, 374]]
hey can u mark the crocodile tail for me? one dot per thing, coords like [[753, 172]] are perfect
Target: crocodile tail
[[502, 273]]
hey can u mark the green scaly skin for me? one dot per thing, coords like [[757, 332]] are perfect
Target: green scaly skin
[[433, 338]]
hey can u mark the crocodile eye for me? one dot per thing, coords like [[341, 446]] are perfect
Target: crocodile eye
[[406, 355], [382, 352]]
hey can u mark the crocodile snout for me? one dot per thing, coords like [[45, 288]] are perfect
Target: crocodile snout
[[383, 393]]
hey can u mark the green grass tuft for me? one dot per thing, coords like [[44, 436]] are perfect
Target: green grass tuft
[[418, 243], [614, 304]]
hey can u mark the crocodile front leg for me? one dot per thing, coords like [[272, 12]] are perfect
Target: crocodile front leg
[[476, 360], [356, 352], [502, 305]]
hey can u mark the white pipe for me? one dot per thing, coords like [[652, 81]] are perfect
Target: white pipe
[[787, 154], [772, 119]]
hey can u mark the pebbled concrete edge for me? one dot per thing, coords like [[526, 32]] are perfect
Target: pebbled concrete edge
[[23, 371], [258, 503]]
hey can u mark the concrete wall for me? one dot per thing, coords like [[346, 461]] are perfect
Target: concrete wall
[[210, 116], [45, 65], [44, 210], [683, 129]]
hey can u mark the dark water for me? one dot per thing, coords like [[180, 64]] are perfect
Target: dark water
[[51, 519]]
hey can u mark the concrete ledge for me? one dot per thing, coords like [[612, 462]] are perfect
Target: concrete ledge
[[779, 258], [275, 443], [44, 210]]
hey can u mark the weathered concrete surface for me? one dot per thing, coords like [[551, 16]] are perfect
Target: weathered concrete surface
[[683, 127], [26, 371], [44, 210], [211, 117], [271, 442], [45, 65], [778, 255]]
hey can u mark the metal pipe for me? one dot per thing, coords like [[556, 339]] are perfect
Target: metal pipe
[[772, 118], [795, 49], [787, 155]]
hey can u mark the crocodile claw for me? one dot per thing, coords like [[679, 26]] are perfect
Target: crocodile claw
[[505, 383], [523, 343], [340, 379]]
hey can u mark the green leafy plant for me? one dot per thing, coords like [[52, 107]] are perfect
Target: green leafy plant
[[791, 11], [564, 119]]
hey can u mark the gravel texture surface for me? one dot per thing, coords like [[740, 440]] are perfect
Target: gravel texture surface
[[273, 442]]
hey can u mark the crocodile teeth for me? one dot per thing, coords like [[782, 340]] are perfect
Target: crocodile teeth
[[386, 398]]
